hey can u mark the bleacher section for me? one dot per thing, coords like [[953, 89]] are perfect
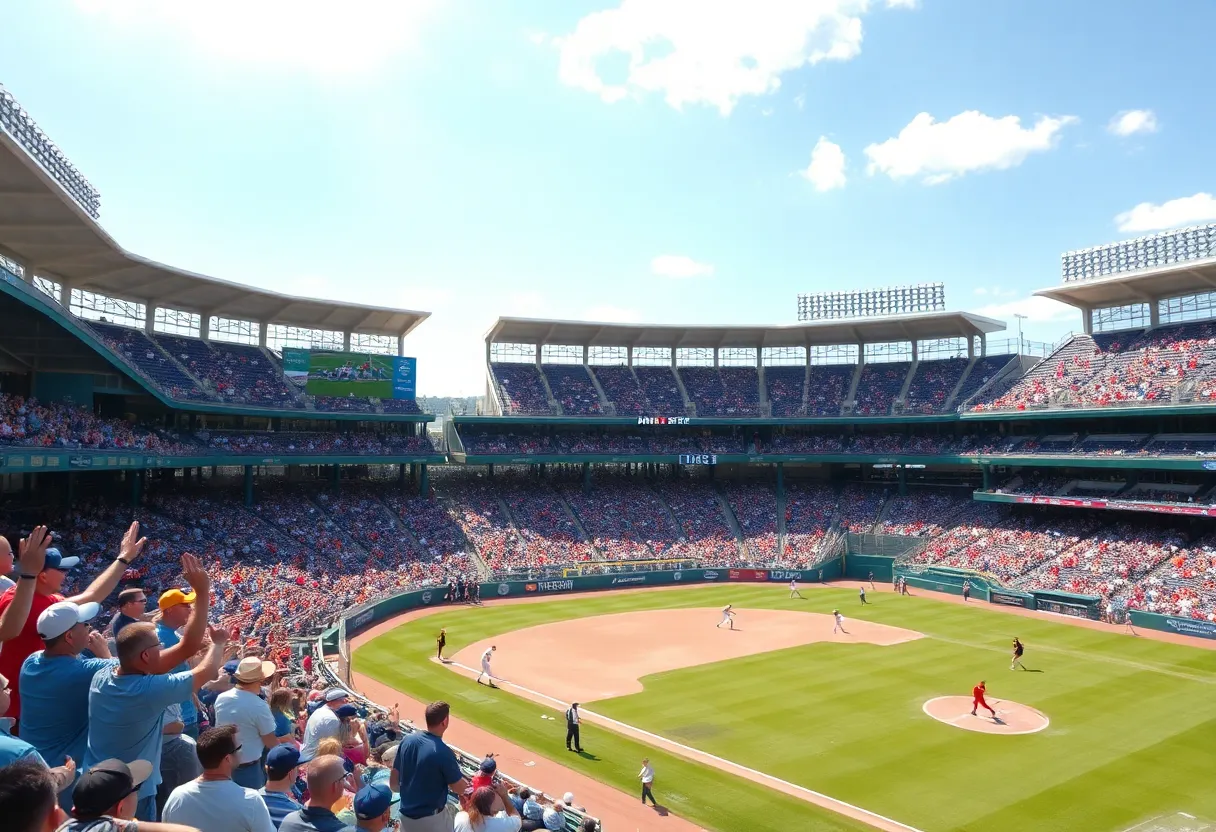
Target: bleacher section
[[786, 390], [933, 383], [622, 388], [521, 389], [725, 391], [878, 387], [573, 389], [662, 390], [826, 388]]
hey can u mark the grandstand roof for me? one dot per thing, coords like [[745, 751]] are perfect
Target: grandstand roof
[[40, 224], [1192, 277], [921, 326]]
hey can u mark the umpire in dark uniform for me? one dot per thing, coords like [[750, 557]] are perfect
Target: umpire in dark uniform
[[572, 723]]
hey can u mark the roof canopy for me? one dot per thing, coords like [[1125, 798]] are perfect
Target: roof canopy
[[919, 327], [1143, 286], [42, 226]]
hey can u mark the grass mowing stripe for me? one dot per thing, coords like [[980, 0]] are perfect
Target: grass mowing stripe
[[846, 720]]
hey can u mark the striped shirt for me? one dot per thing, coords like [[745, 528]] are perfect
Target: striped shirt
[[279, 806]]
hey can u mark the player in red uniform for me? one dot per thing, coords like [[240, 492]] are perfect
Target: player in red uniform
[[978, 701]]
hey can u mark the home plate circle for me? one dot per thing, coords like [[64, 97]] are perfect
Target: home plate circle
[[1011, 717]]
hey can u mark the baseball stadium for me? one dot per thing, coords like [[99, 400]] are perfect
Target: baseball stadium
[[786, 564]]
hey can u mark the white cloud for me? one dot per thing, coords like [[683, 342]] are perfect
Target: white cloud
[[903, 4], [614, 314], [967, 143], [678, 266], [316, 35], [1185, 210], [984, 291], [800, 100], [826, 170], [1130, 122], [714, 53], [1038, 310]]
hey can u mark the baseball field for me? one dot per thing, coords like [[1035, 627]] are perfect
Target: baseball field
[[783, 724], [323, 362]]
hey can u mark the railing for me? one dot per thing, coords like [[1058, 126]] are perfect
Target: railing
[[885, 545]]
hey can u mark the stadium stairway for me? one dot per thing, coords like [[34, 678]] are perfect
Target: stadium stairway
[[766, 409], [901, 398], [1006, 377], [850, 398], [731, 520], [781, 548], [671, 515], [960, 384], [554, 405], [690, 409], [609, 407], [578, 523]]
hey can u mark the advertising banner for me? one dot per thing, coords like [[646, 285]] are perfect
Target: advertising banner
[[748, 574], [1173, 624], [1009, 599], [1186, 509], [405, 378]]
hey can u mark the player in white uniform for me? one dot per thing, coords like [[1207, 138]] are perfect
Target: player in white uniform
[[728, 617], [794, 589], [485, 666], [839, 623]]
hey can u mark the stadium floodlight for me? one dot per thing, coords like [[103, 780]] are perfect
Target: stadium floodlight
[[866, 303], [1165, 249], [16, 122]]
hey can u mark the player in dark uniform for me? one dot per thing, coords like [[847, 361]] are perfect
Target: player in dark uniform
[[1018, 650], [441, 643]]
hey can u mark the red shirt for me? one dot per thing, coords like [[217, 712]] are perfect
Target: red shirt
[[482, 779], [28, 642], [978, 691]]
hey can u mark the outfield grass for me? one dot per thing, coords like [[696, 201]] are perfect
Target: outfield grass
[[377, 388], [1132, 720]]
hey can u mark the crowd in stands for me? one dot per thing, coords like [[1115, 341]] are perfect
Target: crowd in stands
[[521, 389], [809, 511], [624, 519], [150, 360], [755, 507], [922, 512], [706, 534], [984, 371], [723, 391], [547, 527], [30, 423], [785, 387], [933, 383], [608, 443], [621, 387], [826, 387], [573, 388], [353, 443], [878, 387], [661, 389], [1120, 368]]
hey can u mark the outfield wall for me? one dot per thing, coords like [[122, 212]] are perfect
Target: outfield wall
[[1173, 624]]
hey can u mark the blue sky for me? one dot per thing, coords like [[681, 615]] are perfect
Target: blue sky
[[676, 161]]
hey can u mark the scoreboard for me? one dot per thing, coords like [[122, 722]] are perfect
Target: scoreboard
[[698, 459]]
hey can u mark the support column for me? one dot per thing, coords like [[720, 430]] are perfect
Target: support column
[[71, 488], [1087, 321], [586, 354], [586, 476], [780, 482], [263, 331], [346, 341], [903, 481], [987, 471], [629, 357], [401, 474], [401, 346], [971, 348], [149, 318], [424, 482], [915, 350], [248, 486], [335, 474], [204, 326], [490, 471], [1154, 313], [137, 487], [413, 472]]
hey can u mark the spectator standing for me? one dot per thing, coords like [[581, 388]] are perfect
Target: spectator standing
[[175, 608], [374, 807], [481, 815], [282, 768], [213, 802], [647, 777], [105, 798], [132, 607], [423, 772], [178, 756], [282, 708], [244, 708], [56, 682], [127, 703], [325, 785], [324, 723], [6, 565], [47, 581], [15, 750]]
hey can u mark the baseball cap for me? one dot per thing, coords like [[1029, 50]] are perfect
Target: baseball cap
[[253, 669], [282, 759], [488, 765], [347, 710], [231, 666], [373, 801], [336, 694], [107, 783], [60, 617], [173, 597], [56, 560]]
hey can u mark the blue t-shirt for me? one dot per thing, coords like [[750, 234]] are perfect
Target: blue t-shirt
[[127, 715], [169, 638], [425, 766], [283, 726], [55, 704], [313, 819], [14, 749]]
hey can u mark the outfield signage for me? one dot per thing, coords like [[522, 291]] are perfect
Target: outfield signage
[[1192, 627], [632, 579], [1008, 599], [550, 586], [663, 420], [782, 575], [748, 574], [1187, 509], [1074, 610]]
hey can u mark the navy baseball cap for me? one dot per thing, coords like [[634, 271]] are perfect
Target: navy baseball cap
[[56, 560], [230, 667], [373, 801], [347, 710], [282, 758]]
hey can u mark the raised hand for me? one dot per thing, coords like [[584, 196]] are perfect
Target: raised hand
[[196, 575], [218, 635], [132, 543], [70, 765], [98, 644], [31, 551]]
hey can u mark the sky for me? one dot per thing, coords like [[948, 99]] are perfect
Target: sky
[[658, 161]]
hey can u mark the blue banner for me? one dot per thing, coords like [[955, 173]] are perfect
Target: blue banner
[[405, 378]]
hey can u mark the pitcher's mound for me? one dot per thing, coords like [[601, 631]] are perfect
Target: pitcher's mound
[[1011, 717]]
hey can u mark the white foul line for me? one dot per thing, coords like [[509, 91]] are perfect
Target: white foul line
[[693, 753]]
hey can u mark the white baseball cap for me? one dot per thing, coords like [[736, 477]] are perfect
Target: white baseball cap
[[58, 618]]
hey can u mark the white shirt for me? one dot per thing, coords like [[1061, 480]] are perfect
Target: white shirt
[[839, 618], [323, 723], [485, 657], [554, 820], [647, 774], [217, 806], [498, 823], [793, 585], [252, 717]]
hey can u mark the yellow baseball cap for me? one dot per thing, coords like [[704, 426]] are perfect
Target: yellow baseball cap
[[173, 597]]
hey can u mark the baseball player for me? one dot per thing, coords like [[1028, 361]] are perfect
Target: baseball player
[[1018, 650], [485, 667], [978, 701], [441, 642], [861, 592], [728, 617], [839, 623], [794, 589]]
